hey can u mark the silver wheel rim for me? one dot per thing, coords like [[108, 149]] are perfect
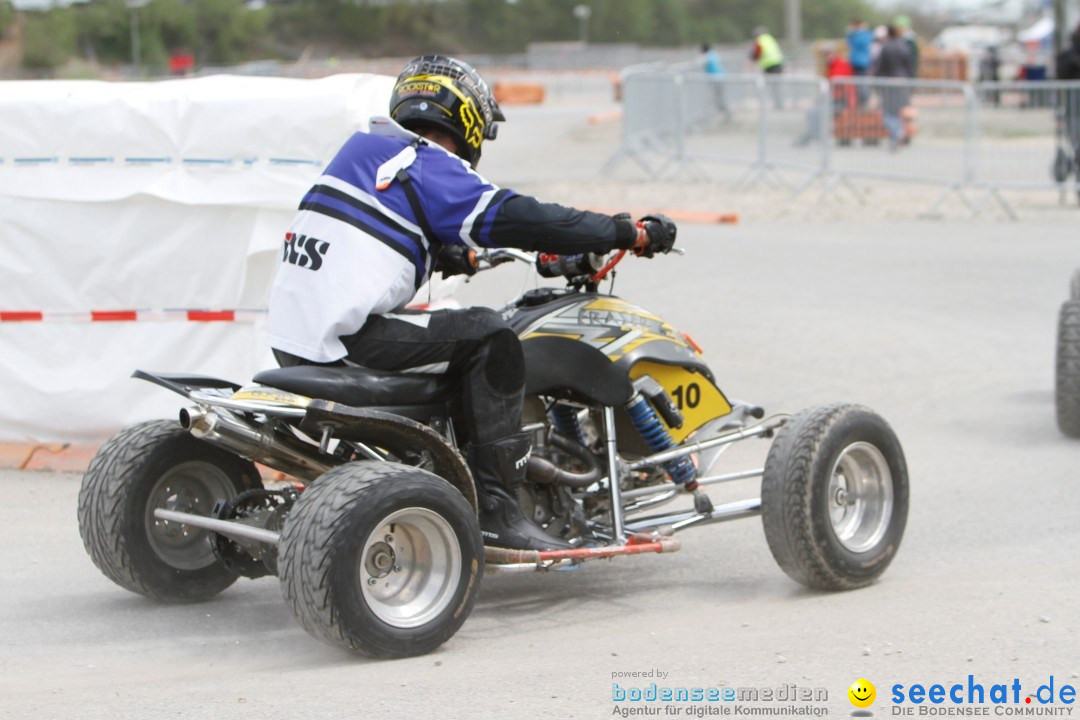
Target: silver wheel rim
[[860, 497], [410, 567], [191, 487]]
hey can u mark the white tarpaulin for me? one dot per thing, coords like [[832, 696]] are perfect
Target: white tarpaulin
[[155, 198], [1041, 31]]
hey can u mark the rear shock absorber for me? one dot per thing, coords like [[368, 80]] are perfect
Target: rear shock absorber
[[565, 420], [657, 437]]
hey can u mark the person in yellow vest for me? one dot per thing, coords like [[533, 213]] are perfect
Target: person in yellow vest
[[767, 51], [770, 57]]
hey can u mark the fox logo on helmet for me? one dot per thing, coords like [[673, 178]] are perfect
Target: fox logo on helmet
[[474, 134]]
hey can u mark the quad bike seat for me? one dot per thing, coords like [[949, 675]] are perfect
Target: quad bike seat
[[357, 386]]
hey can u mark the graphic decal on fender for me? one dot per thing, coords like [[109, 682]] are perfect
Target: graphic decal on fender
[[613, 326], [269, 396], [697, 399]]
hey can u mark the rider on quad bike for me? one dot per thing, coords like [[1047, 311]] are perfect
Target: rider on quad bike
[[398, 203]]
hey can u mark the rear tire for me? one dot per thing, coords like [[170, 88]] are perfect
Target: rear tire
[[381, 559], [144, 467], [835, 497], [1067, 369]]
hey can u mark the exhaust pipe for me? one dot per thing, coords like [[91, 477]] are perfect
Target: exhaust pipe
[[545, 472], [254, 443]]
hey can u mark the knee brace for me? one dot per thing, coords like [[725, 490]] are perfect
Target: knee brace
[[504, 364]]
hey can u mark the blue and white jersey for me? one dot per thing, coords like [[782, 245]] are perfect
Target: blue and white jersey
[[356, 247]]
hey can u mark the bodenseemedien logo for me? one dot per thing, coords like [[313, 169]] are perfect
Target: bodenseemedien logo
[[783, 701]]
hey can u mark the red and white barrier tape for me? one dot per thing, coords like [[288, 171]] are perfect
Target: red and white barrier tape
[[143, 315]]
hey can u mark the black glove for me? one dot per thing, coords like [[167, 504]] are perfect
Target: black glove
[[456, 260], [659, 231]]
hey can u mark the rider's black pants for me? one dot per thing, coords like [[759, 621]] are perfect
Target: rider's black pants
[[474, 346]]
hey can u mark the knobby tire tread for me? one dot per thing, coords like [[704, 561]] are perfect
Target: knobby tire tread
[[1067, 369], [103, 494], [117, 475], [310, 539], [791, 533], [795, 502]]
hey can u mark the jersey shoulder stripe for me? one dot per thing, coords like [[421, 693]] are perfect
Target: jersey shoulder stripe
[[481, 230], [410, 251], [467, 234], [360, 195], [362, 208]]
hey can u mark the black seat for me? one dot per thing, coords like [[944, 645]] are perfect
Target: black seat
[[359, 387]]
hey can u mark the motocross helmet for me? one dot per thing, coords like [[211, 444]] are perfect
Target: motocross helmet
[[442, 92]]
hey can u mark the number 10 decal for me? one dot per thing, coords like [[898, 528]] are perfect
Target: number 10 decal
[[688, 397]]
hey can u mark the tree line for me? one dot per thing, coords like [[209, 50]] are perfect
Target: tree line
[[227, 31]]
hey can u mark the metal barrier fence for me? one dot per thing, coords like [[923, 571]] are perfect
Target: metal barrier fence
[[1016, 122], [971, 140]]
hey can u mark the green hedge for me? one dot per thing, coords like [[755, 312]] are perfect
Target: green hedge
[[224, 31]]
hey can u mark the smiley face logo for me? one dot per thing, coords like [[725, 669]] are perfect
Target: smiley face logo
[[862, 693]]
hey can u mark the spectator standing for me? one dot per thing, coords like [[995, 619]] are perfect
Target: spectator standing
[[1068, 61], [181, 63], [859, 40], [770, 57], [990, 71], [766, 51], [881, 34], [714, 69], [1068, 68], [843, 96], [711, 59], [894, 62], [903, 22]]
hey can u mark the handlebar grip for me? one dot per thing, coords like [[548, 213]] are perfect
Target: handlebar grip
[[568, 266]]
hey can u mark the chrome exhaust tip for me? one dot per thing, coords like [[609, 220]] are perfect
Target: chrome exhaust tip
[[196, 421]]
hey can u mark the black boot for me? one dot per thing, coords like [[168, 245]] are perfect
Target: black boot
[[499, 469]]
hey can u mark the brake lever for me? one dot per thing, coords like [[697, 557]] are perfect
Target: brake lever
[[500, 260], [497, 256]]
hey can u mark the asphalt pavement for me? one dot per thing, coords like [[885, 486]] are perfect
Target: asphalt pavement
[[947, 329]]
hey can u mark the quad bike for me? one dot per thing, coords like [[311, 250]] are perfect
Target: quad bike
[[374, 535], [1067, 362]]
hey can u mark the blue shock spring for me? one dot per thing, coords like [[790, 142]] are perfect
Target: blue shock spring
[[658, 439], [565, 420]]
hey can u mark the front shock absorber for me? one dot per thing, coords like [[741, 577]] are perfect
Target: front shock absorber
[[657, 437]]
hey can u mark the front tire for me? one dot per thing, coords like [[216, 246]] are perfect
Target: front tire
[[144, 467], [1074, 285], [381, 559], [835, 497], [1067, 367]]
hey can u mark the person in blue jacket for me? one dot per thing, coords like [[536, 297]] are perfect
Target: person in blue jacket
[[714, 71], [369, 233], [860, 38]]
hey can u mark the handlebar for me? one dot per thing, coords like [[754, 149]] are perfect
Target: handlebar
[[580, 268]]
